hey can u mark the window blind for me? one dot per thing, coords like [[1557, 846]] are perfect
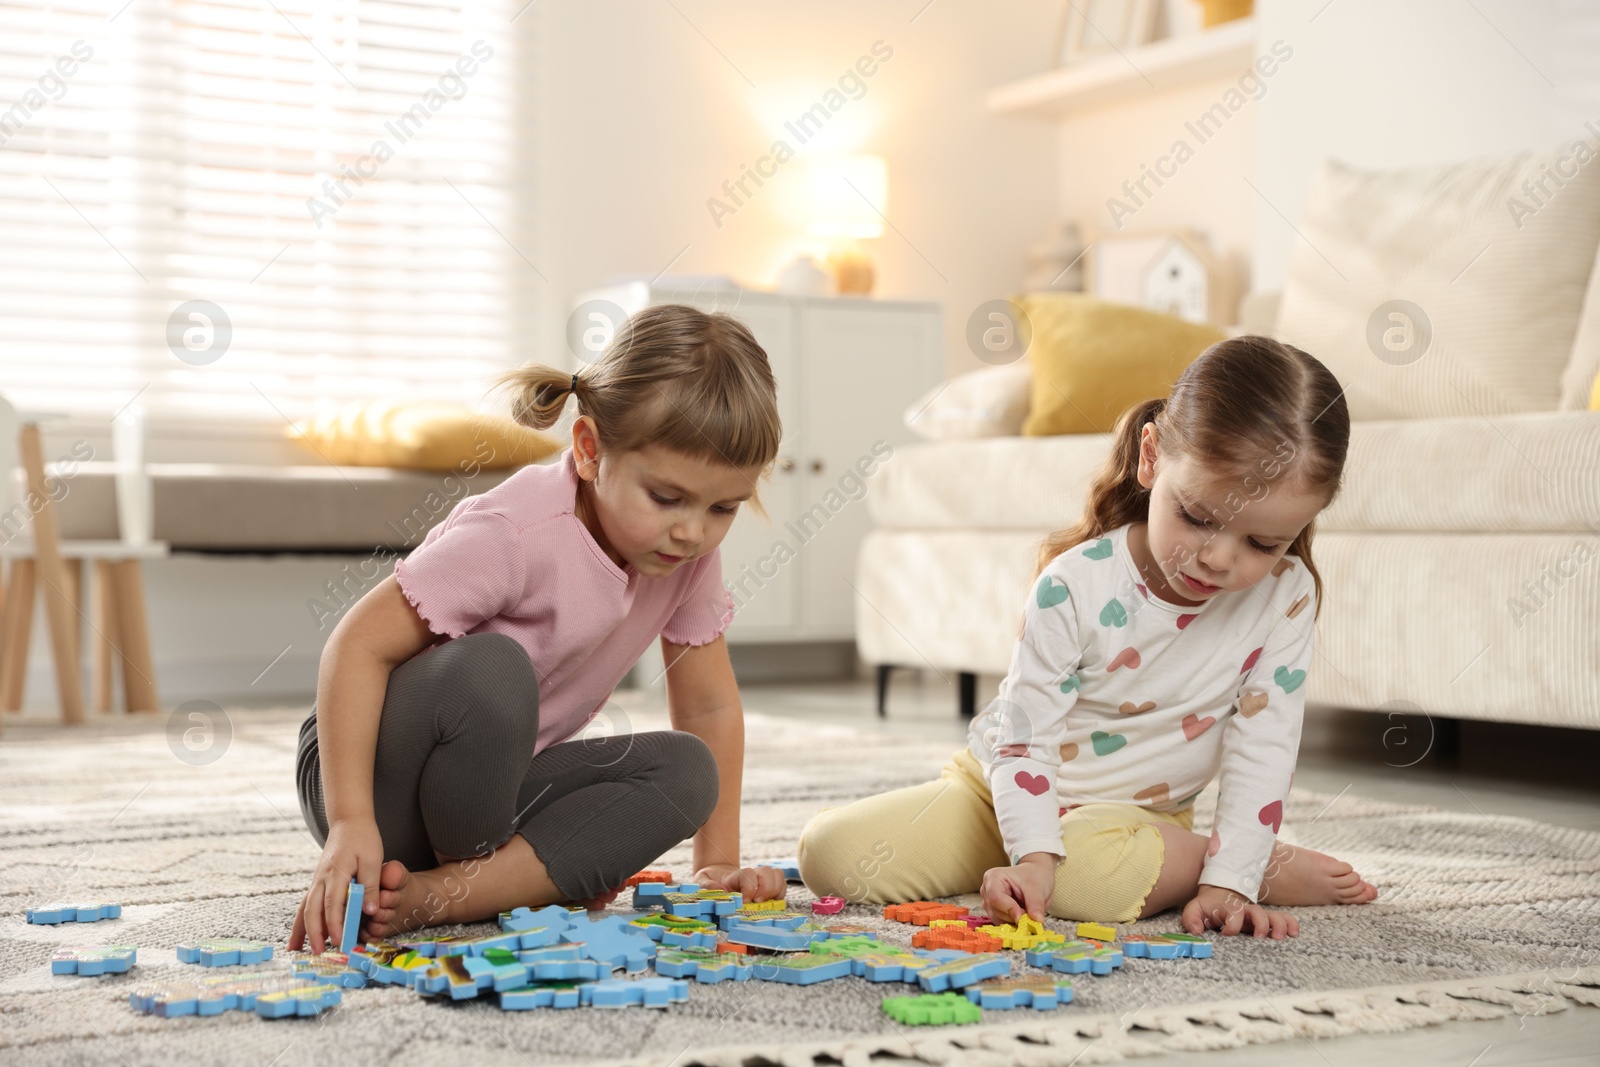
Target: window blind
[[255, 209]]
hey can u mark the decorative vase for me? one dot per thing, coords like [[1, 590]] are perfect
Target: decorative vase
[[802, 277], [1216, 12], [852, 271]]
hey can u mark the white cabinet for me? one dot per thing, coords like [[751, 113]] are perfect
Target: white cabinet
[[847, 368]]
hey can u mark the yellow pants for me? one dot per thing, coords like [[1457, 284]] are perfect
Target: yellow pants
[[938, 839]]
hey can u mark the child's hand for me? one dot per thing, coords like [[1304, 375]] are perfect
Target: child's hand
[[752, 883], [1027, 887], [1215, 908], [601, 902], [354, 850]]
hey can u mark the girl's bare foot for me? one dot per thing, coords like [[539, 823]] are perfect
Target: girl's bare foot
[[407, 902], [1301, 876]]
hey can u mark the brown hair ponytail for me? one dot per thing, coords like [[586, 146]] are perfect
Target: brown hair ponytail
[[673, 376]]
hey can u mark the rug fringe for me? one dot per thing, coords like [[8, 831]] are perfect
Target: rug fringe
[[1034, 1042]]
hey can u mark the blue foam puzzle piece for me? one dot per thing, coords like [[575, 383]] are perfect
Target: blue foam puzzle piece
[[224, 952], [769, 935], [271, 993], [1169, 947], [985, 996], [1076, 957], [52, 914], [696, 906], [477, 946], [388, 975], [789, 866], [959, 973], [773, 920], [565, 963], [350, 933], [706, 966], [464, 977], [614, 941], [654, 894], [801, 970], [537, 928], [685, 899], [88, 960], [667, 935], [304, 1001], [645, 992], [332, 968], [541, 995], [685, 939], [874, 970], [432, 947]]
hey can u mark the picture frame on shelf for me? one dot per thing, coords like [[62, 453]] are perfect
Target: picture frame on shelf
[[1089, 29]]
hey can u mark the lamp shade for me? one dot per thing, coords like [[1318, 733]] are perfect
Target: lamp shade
[[849, 196]]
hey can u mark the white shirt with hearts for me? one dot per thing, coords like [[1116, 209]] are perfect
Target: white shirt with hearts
[[1117, 695]]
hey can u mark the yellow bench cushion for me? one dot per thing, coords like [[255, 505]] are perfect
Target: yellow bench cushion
[[422, 435]]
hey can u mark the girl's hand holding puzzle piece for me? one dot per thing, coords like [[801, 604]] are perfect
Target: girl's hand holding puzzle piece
[[1010, 891], [354, 849]]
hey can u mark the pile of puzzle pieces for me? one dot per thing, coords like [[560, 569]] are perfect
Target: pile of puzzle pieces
[[554, 957]]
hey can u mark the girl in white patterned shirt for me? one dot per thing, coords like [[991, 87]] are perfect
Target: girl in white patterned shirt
[[1165, 642]]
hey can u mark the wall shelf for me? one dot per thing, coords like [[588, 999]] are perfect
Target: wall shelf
[[1137, 72]]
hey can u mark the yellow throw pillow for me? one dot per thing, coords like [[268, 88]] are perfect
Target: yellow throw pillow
[[1093, 359], [422, 435]]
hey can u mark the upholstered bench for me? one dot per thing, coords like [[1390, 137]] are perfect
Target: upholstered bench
[[314, 509]]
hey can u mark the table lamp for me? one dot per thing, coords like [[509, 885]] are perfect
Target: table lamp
[[849, 197]]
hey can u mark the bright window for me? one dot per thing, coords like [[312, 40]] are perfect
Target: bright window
[[336, 176]]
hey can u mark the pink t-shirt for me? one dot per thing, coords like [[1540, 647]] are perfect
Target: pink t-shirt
[[516, 560]]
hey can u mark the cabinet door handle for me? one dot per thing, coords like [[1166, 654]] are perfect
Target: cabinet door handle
[[786, 464], [816, 466]]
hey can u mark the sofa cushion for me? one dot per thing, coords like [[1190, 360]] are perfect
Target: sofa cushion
[[991, 402], [1495, 277], [1093, 359], [1537, 473]]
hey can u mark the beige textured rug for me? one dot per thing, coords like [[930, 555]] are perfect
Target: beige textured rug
[[1480, 917]]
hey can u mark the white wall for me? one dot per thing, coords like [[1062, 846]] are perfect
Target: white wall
[[641, 120], [1385, 85], [1106, 147]]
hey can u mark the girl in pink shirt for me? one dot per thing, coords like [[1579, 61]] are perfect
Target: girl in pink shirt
[[440, 773]]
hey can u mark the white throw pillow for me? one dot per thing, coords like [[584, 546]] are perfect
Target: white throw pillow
[[992, 402], [1497, 268]]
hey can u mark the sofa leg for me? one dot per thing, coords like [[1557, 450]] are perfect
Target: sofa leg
[[969, 694], [883, 690], [1447, 741]]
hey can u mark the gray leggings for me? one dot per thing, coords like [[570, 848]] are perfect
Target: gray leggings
[[452, 774]]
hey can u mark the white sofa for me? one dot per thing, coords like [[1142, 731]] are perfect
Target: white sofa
[[1461, 561]]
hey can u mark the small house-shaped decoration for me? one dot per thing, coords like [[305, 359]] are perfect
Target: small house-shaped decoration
[[1174, 272]]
